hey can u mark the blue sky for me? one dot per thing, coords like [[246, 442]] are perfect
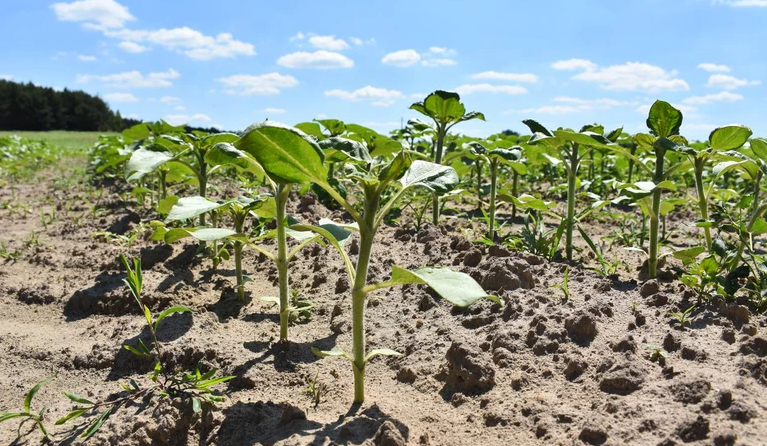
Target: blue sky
[[562, 62]]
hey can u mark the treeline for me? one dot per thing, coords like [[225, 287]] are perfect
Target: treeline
[[30, 107]]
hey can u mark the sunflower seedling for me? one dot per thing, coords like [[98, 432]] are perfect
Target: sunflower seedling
[[27, 414]]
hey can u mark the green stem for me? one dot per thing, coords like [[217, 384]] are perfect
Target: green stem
[[493, 180], [572, 175], [437, 159], [702, 199], [478, 170], [631, 162], [652, 263], [367, 235], [283, 192], [239, 222], [163, 184], [514, 194], [203, 180]]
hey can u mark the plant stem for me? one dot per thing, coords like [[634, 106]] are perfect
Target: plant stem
[[437, 159], [367, 235], [572, 175], [163, 184], [652, 262], [283, 192], [203, 179], [478, 170], [239, 222], [631, 162], [493, 180], [702, 199], [514, 183]]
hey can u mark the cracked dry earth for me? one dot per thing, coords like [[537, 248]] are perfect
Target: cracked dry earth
[[535, 371]]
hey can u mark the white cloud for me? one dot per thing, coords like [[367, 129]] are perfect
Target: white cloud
[[380, 97], [511, 77], [186, 119], [574, 64], [744, 3], [110, 18], [359, 42], [6, 77], [419, 96], [446, 52], [728, 82], [320, 60], [179, 108], [631, 76], [552, 110], [132, 47], [438, 62], [298, 36], [96, 14], [714, 67], [169, 99], [86, 58], [488, 88], [251, 85], [329, 43], [133, 79], [272, 111], [723, 96], [120, 97], [402, 58], [600, 102]]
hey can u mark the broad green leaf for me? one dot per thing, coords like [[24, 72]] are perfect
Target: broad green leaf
[[218, 138], [144, 161], [395, 168], [204, 234], [135, 133], [225, 153], [759, 147], [729, 137], [312, 129], [526, 201], [166, 204], [760, 227], [381, 352], [343, 149], [588, 139], [332, 353], [663, 119], [473, 115], [190, 207], [710, 265], [455, 287], [689, 255], [33, 391], [334, 126], [168, 312], [287, 154], [271, 299], [435, 177], [444, 106], [536, 127]]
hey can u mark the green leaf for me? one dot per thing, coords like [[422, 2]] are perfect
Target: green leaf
[[218, 138], [144, 161], [435, 177], [536, 127], [78, 399], [729, 137], [168, 312], [442, 106], [382, 352], [760, 227], [225, 153], [203, 234], [196, 405], [664, 120], [395, 168], [312, 129], [71, 416], [11, 415], [165, 205], [588, 139], [759, 147], [189, 207], [526, 201], [455, 287], [689, 255], [334, 126], [96, 425], [331, 353], [710, 265], [33, 391], [287, 154], [271, 299], [343, 149]]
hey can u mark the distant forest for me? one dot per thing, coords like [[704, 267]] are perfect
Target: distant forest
[[30, 107]]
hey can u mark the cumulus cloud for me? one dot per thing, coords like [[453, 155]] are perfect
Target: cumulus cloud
[[725, 96], [329, 43], [257, 85], [321, 60], [402, 58], [727, 82], [630, 76], [488, 88], [110, 18], [744, 3], [714, 67], [120, 97], [132, 47], [510, 77], [86, 58], [376, 96], [96, 14], [359, 42], [133, 79]]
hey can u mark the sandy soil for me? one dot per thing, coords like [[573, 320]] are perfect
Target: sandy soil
[[537, 371]]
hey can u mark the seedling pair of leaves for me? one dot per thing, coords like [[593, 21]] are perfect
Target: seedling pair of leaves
[[289, 156]]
